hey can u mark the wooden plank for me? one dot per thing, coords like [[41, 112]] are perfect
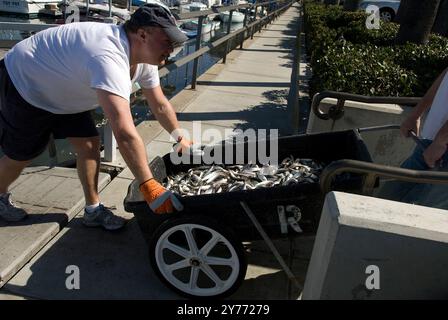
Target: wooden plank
[[23, 191], [59, 172], [66, 195], [43, 190], [69, 192], [19, 181]]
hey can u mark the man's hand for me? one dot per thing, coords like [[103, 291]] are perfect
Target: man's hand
[[183, 145], [159, 199], [410, 124], [434, 153]]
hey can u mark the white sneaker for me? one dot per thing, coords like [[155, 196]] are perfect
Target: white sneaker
[[9, 211], [103, 217]]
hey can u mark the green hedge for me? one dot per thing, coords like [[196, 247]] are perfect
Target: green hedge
[[346, 56]]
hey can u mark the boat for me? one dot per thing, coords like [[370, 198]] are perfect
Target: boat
[[261, 12], [211, 3], [237, 17], [102, 7], [197, 6], [190, 27], [29, 7], [167, 3]]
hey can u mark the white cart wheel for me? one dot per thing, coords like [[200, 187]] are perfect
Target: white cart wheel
[[198, 258]]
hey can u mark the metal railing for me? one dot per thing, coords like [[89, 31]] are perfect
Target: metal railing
[[372, 171], [337, 112], [243, 33], [294, 95], [250, 28]]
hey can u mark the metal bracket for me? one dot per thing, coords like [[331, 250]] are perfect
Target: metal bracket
[[270, 245], [337, 112]]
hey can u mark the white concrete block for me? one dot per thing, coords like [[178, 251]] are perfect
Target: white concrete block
[[406, 244], [385, 146]]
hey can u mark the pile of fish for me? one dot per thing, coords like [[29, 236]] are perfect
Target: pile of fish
[[219, 178]]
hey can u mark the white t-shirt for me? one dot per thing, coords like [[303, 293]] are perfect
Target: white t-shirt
[[58, 69], [438, 113]]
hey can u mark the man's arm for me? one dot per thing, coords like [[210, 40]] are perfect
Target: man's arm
[[161, 108], [164, 112], [413, 120], [117, 111]]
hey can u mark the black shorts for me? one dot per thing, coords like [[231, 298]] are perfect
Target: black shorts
[[25, 130]]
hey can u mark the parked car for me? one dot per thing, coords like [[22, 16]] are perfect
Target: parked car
[[388, 8]]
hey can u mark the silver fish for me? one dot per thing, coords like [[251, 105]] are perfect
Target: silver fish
[[220, 178]]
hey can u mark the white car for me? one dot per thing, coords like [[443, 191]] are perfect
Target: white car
[[388, 8]]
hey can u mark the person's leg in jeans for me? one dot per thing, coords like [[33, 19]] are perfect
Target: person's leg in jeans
[[406, 191], [435, 195]]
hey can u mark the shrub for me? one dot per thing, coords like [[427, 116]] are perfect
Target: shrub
[[346, 56], [361, 69]]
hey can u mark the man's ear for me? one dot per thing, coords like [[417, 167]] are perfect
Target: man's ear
[[141, 33]]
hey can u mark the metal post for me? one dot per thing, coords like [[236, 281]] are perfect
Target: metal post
[[186, 67], [65, 10], [198, 46], [293, 103], [271, 246], [87, 8], [129, 5], [266, 21], [110, 144], [52, 152], [230, 21], [224, 59], [243, 34], [110, 8]]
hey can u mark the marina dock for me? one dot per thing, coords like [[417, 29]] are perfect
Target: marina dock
[[249, 91]]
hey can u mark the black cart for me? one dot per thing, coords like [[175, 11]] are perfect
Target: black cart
[[199, 252]]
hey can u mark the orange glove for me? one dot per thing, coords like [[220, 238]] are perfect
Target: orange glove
[[159, 199]]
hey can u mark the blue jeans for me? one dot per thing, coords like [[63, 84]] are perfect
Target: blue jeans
[[431, 195]]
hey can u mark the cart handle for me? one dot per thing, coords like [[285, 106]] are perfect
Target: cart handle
[[412, 134], [379, 128], [373, 170], [336, 112]]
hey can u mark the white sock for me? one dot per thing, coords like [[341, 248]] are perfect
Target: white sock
[[91, 208]]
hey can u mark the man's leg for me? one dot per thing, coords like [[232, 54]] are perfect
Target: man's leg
[[9, 171], [397, 190], [88, 166]]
